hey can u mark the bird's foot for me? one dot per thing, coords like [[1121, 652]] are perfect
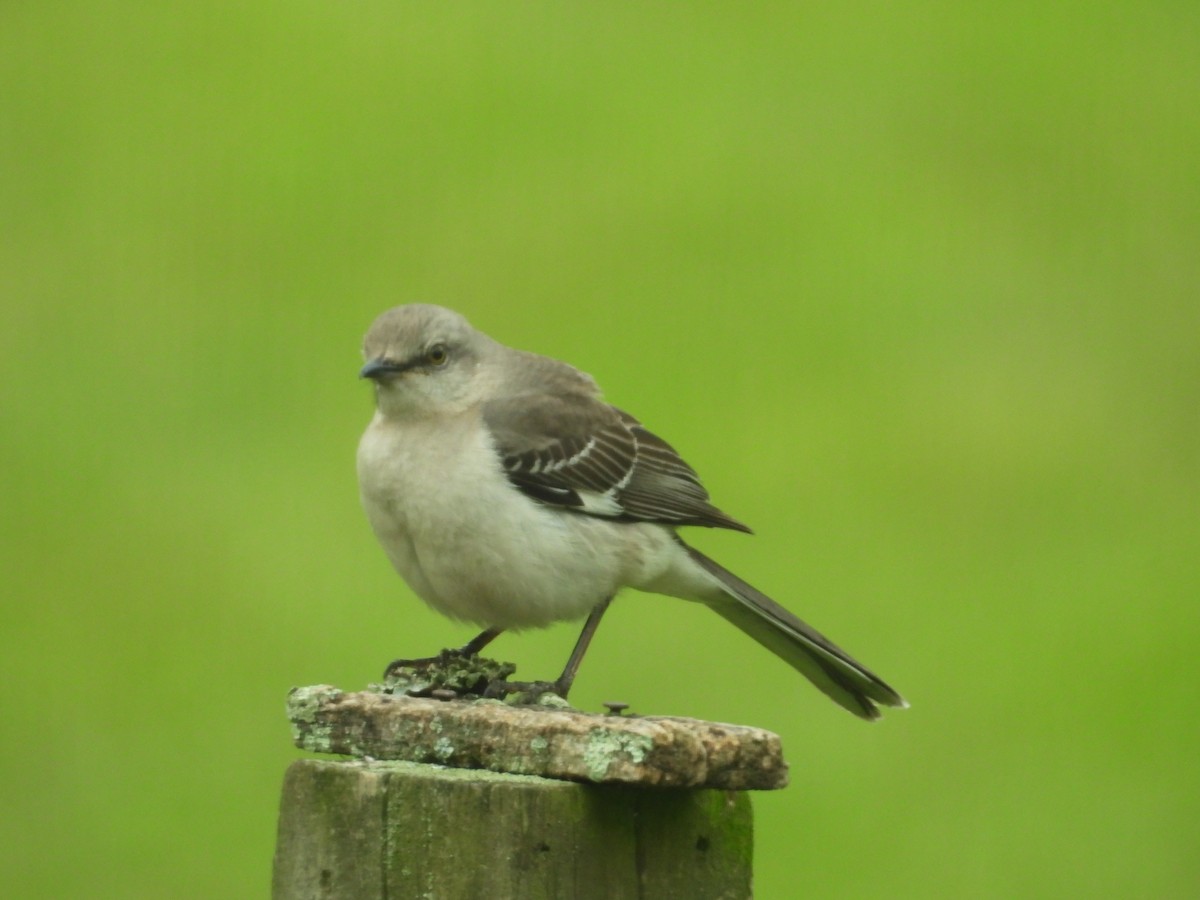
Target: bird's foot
[[457, 671], [446, 657]]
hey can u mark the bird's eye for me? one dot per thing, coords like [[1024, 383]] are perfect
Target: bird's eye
[[437, 355]]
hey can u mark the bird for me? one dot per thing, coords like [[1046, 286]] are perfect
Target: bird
[[508, 493]]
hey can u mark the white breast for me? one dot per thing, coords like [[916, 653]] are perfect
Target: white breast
[[469, 543]]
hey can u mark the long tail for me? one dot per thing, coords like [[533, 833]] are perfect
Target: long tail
[[847, 682]]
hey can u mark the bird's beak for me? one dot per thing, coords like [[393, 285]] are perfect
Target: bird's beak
[[380, 367]]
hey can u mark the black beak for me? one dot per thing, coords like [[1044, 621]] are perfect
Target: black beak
[[378, 368]]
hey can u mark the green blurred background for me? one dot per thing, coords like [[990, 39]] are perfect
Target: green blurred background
[[914, 286]]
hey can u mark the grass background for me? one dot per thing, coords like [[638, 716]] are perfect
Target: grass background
[[914, 287]]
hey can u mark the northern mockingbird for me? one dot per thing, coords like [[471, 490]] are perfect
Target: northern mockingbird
[[507, 493]]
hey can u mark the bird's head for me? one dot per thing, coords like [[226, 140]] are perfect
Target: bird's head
[[423, 359]]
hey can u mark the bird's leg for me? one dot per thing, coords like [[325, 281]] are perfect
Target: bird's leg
[[567, 678], [477, 643], [562, 685], [470, 648]]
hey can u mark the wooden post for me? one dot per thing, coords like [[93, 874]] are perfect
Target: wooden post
[[656, 806]]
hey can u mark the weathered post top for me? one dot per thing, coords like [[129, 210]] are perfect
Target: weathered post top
[[549, 741], [450, 795]]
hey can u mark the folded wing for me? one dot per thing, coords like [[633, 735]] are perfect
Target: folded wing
[[575, 451]]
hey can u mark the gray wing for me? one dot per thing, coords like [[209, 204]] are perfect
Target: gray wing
[[577, 452]]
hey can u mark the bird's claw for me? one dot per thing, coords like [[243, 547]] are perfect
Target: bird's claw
[[457, 671], [451, 654]]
